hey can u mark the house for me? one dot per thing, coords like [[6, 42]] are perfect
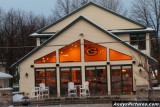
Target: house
[[90, 44]]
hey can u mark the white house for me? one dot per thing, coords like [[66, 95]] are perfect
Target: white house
[[90, 44]]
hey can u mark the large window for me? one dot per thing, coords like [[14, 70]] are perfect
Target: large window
[[121, 79], [115, 55], [71, 53], [47, 76], [69, 74], [50, 58], [94, 52], [97, 78], [138, 39]]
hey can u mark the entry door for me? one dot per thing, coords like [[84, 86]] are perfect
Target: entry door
[[47, 76], [97, 78], [69, 74]]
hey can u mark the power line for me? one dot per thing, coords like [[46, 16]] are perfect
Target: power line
[[15, 47]]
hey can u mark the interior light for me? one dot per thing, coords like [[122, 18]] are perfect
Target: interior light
[[65, 55], [123, 70], [61, 52]]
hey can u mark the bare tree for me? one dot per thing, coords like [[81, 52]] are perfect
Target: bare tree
[[16, 26], [113, 5], [65, 7], [147, 12]]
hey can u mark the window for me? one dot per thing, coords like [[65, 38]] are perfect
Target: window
[[115, 55], [50, 58], [43, 39], [47, 76], [138, 39], [94, 52], [121, 79], [71, 53], [69, 74], [97, 78]]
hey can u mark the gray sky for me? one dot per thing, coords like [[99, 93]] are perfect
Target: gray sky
[[36, 6]]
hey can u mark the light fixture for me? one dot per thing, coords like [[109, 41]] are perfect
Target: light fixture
[[108, 63], [133, 62], [123, 70], [57, 65], [26, 75], [81, 35], [32, 66]]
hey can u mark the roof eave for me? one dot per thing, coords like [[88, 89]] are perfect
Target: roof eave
[[64, 29]]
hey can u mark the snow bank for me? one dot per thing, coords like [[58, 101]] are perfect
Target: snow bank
[[18, 98], [5, 75]]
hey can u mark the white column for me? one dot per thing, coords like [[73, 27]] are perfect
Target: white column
[[82, 60], [108, 73], [58, 72]]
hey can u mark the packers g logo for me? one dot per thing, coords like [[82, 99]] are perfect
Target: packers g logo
[[91, 51]]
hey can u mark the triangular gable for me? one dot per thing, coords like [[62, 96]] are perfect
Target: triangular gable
[[50, 58], [115, 56], [105, 18], [93, 24]]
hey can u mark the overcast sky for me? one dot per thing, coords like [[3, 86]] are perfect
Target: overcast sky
[[36, 6]]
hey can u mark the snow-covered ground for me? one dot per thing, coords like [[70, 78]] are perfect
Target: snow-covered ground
[[17, 98]]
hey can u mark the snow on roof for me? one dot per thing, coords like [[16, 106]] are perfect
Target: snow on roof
[[6, 89], [5, 75], [132, 30], [38, 35]]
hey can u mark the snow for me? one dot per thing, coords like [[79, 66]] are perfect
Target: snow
[[17, 98], [37, 34], [122, 31], [5, 75], [6, 89], [156, 88]]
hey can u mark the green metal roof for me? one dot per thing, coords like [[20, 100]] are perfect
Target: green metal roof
[[75, 21]]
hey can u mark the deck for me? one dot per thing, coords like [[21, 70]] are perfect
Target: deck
[[78, 100]]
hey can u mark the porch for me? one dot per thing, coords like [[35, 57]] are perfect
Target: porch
[[79, 100]]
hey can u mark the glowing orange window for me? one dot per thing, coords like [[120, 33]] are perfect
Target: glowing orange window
[[71, 53], [115, 55], [50, 58], [94, 52]]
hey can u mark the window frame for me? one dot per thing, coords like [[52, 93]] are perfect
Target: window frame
[[121, 66], [138, 40]]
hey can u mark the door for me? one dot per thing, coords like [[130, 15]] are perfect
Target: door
[[48, 77], [69, 74], [97, 78]]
